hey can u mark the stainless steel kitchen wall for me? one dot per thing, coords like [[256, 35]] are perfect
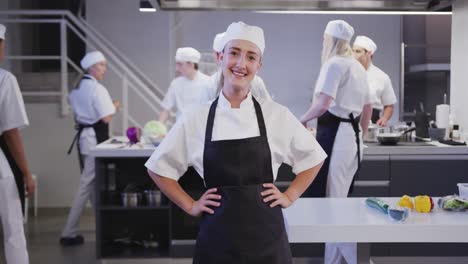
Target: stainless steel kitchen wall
[[293, 42]]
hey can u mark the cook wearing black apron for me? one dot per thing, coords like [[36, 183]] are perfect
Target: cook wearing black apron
[[327, 127], [101, 129], [93, 109], [244, 229], [12, 173]]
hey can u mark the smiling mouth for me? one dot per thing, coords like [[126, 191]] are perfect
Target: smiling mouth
[[238, 73]]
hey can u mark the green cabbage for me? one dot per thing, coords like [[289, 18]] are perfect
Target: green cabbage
[[154, 129]]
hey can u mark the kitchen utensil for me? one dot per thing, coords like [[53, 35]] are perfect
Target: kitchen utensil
[[391, 138], [463, 190], [130, 199], [153, 197], [401, 128], [436, 133], [372, 131], [421, 122]]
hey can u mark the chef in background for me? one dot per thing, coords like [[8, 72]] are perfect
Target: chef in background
[[14, 170], [93, 109], [342, 106], [187, 89], [382, 93], [258, 88]]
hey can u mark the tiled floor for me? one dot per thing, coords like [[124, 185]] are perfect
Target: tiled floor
[[43, 234]]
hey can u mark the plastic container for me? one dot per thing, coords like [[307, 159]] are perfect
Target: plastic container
[[131, 199], [437, 133], [456, 133], [398, 214], [463, 190], [153, 197]]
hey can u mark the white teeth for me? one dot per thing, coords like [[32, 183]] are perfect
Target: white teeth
[[239, 73]]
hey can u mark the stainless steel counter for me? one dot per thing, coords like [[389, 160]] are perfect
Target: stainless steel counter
[[414, 148]]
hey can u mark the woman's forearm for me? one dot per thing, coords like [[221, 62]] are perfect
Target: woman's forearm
[[319, 107], [302, 182], [173, 191]]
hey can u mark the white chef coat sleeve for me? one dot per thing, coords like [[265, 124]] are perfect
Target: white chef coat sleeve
[[207, 93], [169, 101], [102, 103], [388, 94], [171, 158], [12, 110], [368, 98], [329, 79], [304, 152]]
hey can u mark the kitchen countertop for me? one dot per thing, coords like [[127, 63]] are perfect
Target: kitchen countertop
[[313, 220], [108, 149], [414, 148], [122, 148]]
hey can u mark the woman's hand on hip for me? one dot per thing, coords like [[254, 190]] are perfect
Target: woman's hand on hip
[[209, 198], [273, 194]]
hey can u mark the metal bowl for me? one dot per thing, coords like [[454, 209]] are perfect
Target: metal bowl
[[388, 138]]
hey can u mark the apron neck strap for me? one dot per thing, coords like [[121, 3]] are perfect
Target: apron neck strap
[[211, 116]]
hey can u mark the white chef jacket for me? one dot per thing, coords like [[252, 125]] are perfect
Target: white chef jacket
[[289, 141], [344, 79], [90, 103], [184, 93], [380, 85], [12, 113], [257, 87]]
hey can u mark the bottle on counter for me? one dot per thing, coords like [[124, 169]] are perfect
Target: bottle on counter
[[456, 133]]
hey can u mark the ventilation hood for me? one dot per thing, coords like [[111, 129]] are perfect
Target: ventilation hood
[[308, 5]]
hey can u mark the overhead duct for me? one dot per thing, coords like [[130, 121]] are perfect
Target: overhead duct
[[304, 5]]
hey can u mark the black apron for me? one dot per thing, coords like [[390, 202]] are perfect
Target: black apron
[[244, 229], [327, 127], [375, 115], [19, 177], [101, 130]]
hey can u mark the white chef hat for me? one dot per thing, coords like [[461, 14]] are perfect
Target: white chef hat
[[91, 58], [240, 30], [2, 31], [218, 44], [188, 54], [366, 43], [340, 29]]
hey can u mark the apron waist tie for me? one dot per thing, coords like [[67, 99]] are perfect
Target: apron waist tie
[[354, 122], [79, 128]]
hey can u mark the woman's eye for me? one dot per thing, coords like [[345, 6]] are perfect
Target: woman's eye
[[252, 58]]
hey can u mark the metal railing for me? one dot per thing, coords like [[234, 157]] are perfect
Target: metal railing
[[131, 78]]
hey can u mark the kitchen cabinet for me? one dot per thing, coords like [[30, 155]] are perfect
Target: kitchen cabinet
[[128, 232], [373, 179], [434, 175], [385, 171], [143, 231]]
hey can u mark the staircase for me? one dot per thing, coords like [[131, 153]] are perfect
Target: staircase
[[135, 88]]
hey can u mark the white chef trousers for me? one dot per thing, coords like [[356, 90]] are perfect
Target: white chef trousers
[[12, 222], [86, 191], [343, 165]]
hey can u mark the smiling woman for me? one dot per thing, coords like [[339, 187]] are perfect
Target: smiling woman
[[241, 61], [236, 145]]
